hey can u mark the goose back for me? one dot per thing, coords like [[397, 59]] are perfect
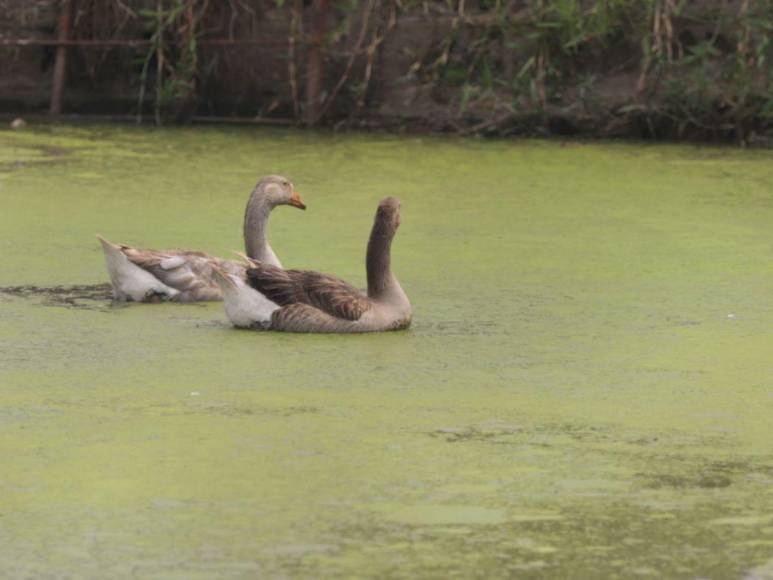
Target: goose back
[[328, 294]]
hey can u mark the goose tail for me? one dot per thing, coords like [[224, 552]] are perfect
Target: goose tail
[[107, 246], [129, 281], [222, 279]]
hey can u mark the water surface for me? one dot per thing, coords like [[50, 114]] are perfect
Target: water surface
[[585, 391]]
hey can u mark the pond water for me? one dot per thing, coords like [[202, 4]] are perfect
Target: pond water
[[585, 391]]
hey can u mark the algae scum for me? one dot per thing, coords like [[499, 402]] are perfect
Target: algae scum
[[585, 391]]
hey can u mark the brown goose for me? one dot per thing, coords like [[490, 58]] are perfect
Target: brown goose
[[269, 298], [187, 276]]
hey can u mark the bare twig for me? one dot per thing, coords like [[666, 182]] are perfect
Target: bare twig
[[159, 59], [371, 53], [125, 8], [292, 73], [487, 124], [347, 71]]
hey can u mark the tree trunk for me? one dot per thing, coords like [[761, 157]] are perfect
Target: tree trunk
[[315, 66], [60, 64]]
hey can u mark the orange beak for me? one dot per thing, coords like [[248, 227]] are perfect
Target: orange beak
[[296, 201]]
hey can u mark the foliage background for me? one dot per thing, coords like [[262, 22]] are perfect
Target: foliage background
[[653, 68]]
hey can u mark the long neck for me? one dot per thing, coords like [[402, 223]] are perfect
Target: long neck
[[377, 262], [255, 226]]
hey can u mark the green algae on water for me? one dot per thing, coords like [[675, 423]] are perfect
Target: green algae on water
[[585, 390]]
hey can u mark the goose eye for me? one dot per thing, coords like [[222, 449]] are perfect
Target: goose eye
[[285, 183]]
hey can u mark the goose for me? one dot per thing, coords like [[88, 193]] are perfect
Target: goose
[[266, 297], [185, 275]]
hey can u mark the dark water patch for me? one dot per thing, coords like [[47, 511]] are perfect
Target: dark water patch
[[702, 474], [462, 328], [502, 433], [88, 296], [21, 164], [48, 155], [227, 410], [595, 539], [758, 198], [220, 323], [477, 433], [687, 481], [52, 150], [19, 414], [676, 321], [667, 460]]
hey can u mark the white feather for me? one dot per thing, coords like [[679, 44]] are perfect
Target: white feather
[[245, 306], [172, 262], [129, 280]]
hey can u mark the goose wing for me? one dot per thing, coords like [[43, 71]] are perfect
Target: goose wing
[[329, 294], [189, 272]]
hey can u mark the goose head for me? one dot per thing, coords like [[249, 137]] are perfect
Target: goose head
[[276, 190], [388, 213]]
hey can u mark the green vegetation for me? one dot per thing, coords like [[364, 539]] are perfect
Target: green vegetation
[[651, 68], [175, 73], [676, 69]]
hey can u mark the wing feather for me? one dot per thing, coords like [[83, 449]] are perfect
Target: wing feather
[[327, 293], [186, 271]]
